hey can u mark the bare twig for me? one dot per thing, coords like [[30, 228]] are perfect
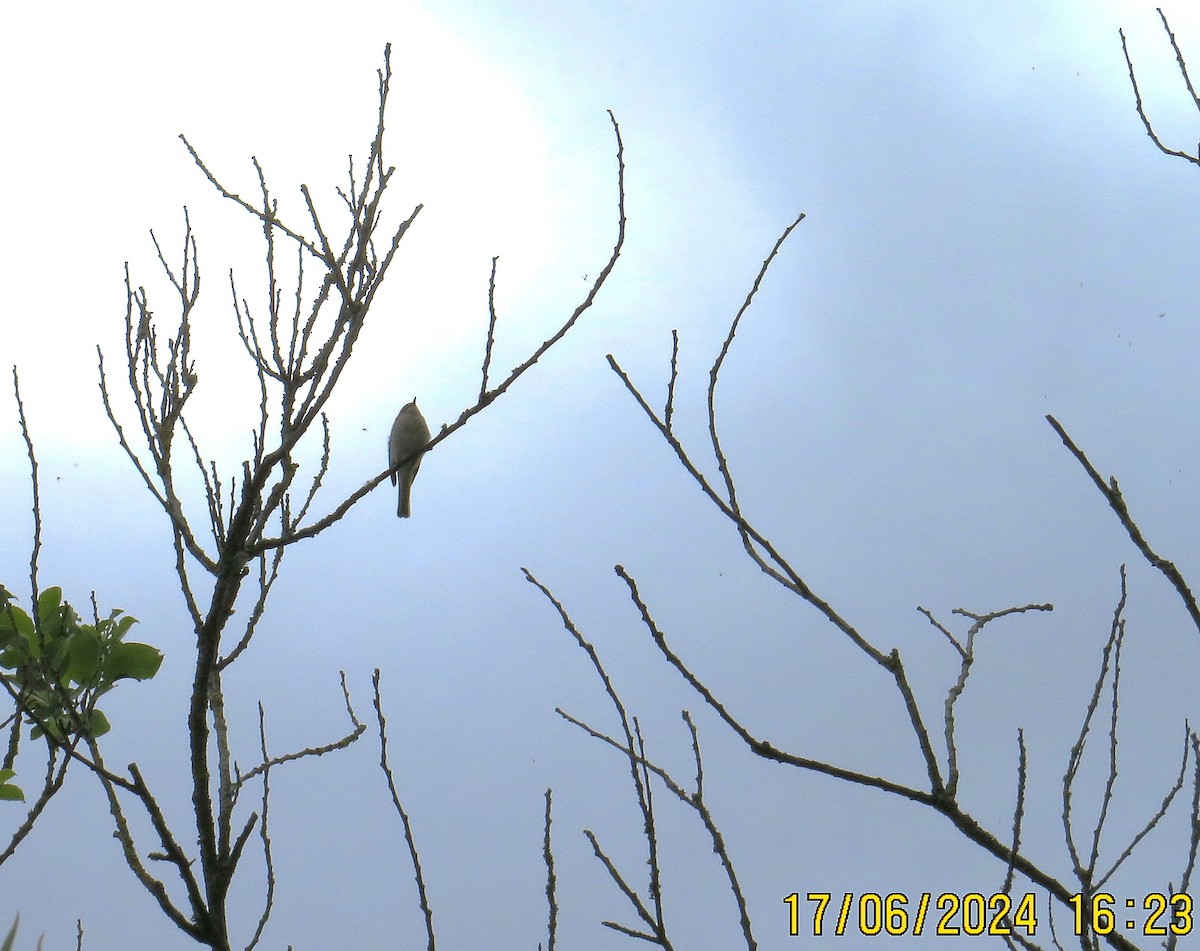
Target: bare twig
[[485, 400], [340, 744], [264, 834], [409, 838], [1137, 93], [941, 794], [636, 759], [967, 654], [36, 548], [491, 331], [1112, 492], [693, 799], [551, 882], [654, 936], [1153, 821], [56, 772]]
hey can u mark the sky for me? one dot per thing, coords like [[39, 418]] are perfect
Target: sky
[[989, 237]]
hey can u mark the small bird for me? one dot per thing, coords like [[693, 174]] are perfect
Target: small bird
[[410, 433]]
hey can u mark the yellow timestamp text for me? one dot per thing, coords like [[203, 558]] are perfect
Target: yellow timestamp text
[[895, 914], [1156, 915], [973, 913]]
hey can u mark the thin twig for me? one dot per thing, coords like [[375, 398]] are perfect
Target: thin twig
[[1112, 492], [491, 331], [409, 838], [551, 882]]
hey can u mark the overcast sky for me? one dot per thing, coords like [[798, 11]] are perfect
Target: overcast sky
[[990, 237]]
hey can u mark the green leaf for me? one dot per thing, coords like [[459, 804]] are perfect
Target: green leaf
[[55, 656], [85, 658], [12, 936], [15, 656], [123, 625], [49, 612], [39, 700], [24, 628], [139, 661], [53, 728], [11, 793], [7, 626], [98, 724], [49, 601]]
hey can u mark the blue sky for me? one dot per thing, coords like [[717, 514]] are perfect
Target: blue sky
[[990, 237]]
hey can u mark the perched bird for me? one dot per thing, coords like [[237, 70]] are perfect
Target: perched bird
[[410, 433]]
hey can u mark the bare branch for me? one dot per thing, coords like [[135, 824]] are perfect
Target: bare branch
[[409, 839], [695, 800], [1137, 93], [669, 407], [1153, 821], [1112, 492], [56, 772], [33, 480], [1085, 871], [340, 744], [631, 896], [315, 528], [264, 835], [491, 331], [715, 371], [551, 882], [967, 654], [761, 747], [1189, 866]]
